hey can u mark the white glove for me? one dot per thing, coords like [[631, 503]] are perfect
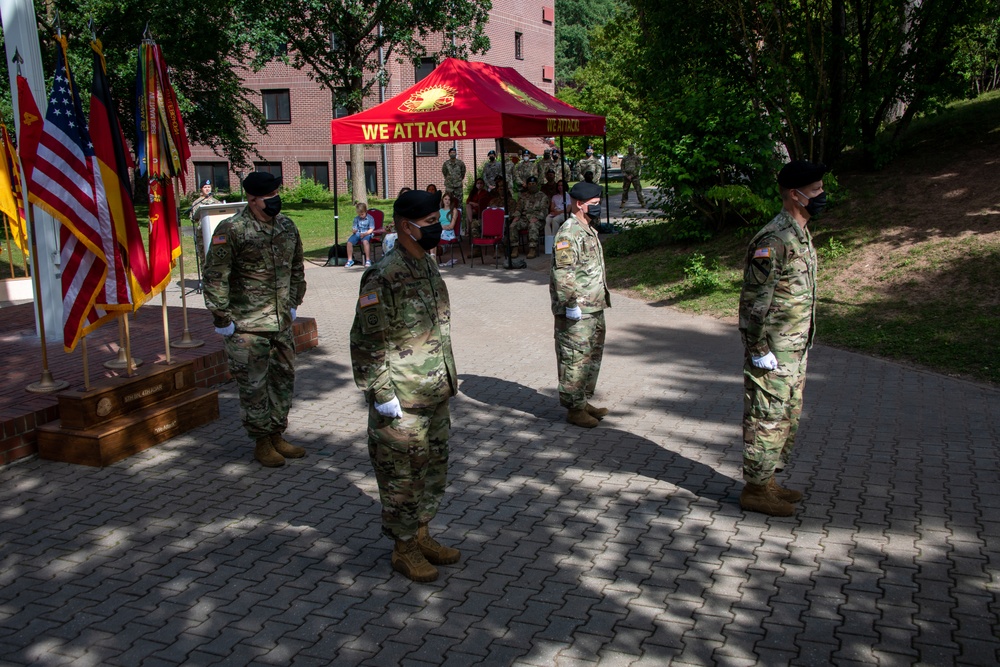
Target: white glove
[[767, 362], [574, 313], [293, 314], [226, 331], [391, 409], [388, 242]]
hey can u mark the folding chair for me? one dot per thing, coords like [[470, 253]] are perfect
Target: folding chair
[[376, 239], [492, 234], [457, 241]]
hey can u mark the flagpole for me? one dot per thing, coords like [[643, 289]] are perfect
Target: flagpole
[[166, 326], [124, 349], [47, 384], [86, 366], [186, 341], [10, 252]]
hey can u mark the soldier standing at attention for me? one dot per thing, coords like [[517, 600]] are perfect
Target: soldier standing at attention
[[631, 169], [559, 165], [254, 281], [543, 165], [777, 322], [591, 164], [578, 288], [529, 214], [402, 359], [203, 199], [491, 170], [523, 170], [453, 170]]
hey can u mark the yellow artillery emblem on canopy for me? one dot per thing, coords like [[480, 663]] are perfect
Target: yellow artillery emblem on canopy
[[524, 98], [429, 99]]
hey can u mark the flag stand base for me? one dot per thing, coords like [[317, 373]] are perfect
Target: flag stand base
[[121, 362], [186, 341], [46, 385]]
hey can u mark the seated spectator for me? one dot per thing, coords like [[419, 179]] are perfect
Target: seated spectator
[[557, 209], [478, 199], [362, 228]]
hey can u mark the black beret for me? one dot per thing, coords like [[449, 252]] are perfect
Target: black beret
[[492, 153], [532, 179], [452, 150], [798, 173], [583, 191], [550, 171], [260, 183], [525, 152], [416, 204]]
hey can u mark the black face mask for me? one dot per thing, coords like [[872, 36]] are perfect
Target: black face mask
[[594, 211], [816, 204], [272, 206], [493, 158], [430, 236]]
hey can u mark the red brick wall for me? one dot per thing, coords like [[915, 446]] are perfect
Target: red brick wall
[[307, 137]]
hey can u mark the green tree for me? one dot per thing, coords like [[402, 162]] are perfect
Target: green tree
[[365, 35], [575, 19]]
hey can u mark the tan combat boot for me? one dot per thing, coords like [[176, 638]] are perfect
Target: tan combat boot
[[514, 252], [408, 560], [778, 491], [435, 552], [285, 448], [581, 418], [757, 498], [594, 411], [264, 452], [532, 252]]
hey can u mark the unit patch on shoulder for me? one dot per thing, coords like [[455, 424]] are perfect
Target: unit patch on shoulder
[[218, 239], [760, 266]]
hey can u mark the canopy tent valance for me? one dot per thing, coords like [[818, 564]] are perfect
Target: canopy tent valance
[[466, 100]]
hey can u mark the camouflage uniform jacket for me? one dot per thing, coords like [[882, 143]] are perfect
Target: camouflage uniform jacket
[[401, 338], [533, 205], [454, 174], [778, 301], [491, 172], [523, 170], [589, 164], [631, 165], [578, 277], [202, 201], [542, 167], [254, 273]]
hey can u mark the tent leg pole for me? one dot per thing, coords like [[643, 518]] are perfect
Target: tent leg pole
[[607, 196], [414, 165], [336, 210], [562, 171], [475, 165]]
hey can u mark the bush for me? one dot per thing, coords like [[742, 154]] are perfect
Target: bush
[[700, 277], [306, 190]]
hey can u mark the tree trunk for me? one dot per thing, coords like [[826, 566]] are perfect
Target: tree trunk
[[358, 187]]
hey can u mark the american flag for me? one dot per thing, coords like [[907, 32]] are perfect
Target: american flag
[[64, 183]]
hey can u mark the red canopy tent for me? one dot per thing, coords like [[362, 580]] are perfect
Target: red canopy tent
[[462, 100]]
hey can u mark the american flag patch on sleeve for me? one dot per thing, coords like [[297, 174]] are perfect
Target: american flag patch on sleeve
[[562, 245], [762, 252], [218, 239], [369, 299]]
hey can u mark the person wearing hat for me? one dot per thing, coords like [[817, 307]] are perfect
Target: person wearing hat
[[204, 198], [559, 165], [529, 215], [578, 287], [523, 170], [777, 322], [544, 165], [589, 164], [254, 281], [631, 170], [453, 170], [402, 360], [491, 170]]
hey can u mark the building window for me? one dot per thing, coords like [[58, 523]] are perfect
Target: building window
[[273, 168], [518, 46], [548, 72], [427, 148], [277, 107], [548, 14], [217, 172], [421, 71], [317, 171], [371, 176]]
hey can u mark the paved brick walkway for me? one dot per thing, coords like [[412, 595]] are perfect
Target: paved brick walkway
[[614, 546]]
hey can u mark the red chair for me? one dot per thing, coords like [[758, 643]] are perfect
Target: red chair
[[379, 232], [492, 234], [457, 241]]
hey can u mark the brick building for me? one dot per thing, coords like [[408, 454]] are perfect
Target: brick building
[[297, 144]]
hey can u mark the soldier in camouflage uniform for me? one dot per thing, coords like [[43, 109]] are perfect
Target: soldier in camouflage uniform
[[203, 199], [578, 288], [491, 170], [402, 359], [453, 171], [509, 169], [561, 166], [631, 169], [777, 323], [254, 281], [523, 170], [529, 214], [591, 164], [543, 165]]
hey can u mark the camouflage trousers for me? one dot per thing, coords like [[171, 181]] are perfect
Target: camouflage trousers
[[410, 458], [263, 365], [579, 350], [534, 230], [772, 405], [455, 190], [636, 185]]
